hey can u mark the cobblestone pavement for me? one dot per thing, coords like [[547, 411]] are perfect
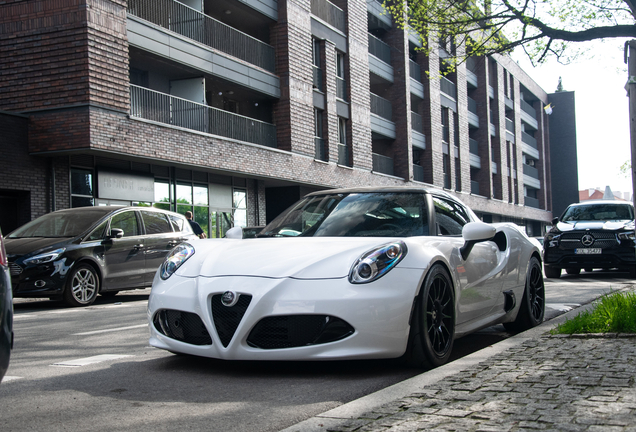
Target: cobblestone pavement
[[550, 383]]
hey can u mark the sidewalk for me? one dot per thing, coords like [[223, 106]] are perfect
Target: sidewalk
[[531, 381]]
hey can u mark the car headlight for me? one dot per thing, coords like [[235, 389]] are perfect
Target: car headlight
[[175, 259], [552, 240], [44, 258], [628, 235], [377, 262]]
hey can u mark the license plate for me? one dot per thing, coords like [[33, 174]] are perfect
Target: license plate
[[587, 251]]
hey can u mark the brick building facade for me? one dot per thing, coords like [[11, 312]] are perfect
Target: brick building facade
[[236, 108]]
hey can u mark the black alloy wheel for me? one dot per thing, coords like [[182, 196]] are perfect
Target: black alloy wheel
[[532, 309], [433, 323]]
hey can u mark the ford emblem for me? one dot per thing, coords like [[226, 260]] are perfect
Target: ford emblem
[[229, 298]]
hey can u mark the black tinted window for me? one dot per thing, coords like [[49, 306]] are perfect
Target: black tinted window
[[450, 217], [59, 224], [178, 222], [98, 233], [155, 223], [125, 221]]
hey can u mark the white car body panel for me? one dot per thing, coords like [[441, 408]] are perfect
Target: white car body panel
[[310, 276]]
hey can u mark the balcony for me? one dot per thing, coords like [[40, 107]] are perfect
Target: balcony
[[474, 187], [528, 114], [528, 109], [471, 76], [329, 13], [164, 108], [415, 71], [321, 149], [531, 202], [448, 88], [510, 125], [473, 146], [188, 22], [382, 164], [529, 139], [473, 118], [530, 171], [379, 49], [381, 107], [416, 122], [473, 155]]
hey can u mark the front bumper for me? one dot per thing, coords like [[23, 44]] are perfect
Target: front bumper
[[616, 257], [37, 281], [378, 315]]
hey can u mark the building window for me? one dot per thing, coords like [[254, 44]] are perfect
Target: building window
[[162, 195], [321, 148], [82, 188], [239, 209], [343, 148], [194, 198], [341, 84], [316, 59], [445, 125]]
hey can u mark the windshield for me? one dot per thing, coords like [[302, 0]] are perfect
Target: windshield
[[601, 212], [353, 215], [62, 224]]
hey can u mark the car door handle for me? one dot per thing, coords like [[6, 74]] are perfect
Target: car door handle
[[139, 246], [173, 243]]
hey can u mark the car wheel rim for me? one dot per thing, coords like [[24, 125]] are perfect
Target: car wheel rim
[[439, 315], [537, 293], [84, 285]]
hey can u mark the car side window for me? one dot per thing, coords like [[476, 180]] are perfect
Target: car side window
[[450, 217], [155, 222], [98, 233], [177, 222], [126, 221]]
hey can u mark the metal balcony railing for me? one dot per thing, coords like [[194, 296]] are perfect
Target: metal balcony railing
[[318, 78], [471, 65], [530, 171], [329, 13], [448, 87], [341, 88], [529, 139], [321, 151], [188, 22], [510, 125], [415, 71], [472, 105], [531, 202], [343, 155], [381, 107], [473, 145], [416, 122], [382, 164], [379, 49], [525, 106], [164, 108]]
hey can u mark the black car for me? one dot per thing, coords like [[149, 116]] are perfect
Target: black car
[[6, 311], [591, 235], [77, 253]]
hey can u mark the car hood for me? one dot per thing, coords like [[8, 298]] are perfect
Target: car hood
[[17, 247], [302, 258], [592, 225]]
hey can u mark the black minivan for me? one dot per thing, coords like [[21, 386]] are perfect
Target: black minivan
[[77, 253]]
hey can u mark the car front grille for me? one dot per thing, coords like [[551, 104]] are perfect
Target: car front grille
[[602, 239], [297, 330], [183, 326], [15, 269], [227, 318]]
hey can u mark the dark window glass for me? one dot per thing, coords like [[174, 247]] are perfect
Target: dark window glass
[[177, 222], [450, 217], [81, 182], [98, 233], [155, 223], [125, 221], [60, 224], [78, 201]]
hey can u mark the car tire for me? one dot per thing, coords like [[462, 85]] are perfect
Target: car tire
[[552, 272], [82, 286], [532, 309], [108, 294], [632, 272], [433, 323], [573, 271], [589, 270]]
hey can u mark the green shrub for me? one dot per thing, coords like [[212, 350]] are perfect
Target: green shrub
[[613, 313]]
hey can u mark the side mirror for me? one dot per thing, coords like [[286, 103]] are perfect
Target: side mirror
[[116, 233], [555, 221], [473, 233], [234, 233]]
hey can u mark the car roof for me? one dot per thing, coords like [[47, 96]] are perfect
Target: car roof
[[104, 210], [601, 201], [383, 189]]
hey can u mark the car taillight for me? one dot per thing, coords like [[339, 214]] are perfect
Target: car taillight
[[3, 253]]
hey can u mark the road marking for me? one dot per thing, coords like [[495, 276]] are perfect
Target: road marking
[[8, 378], [109, 330], [90, 360], [562, 307]]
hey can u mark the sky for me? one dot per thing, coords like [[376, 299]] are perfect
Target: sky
[[602, 110]]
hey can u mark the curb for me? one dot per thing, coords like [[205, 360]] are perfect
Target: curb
[[354, 409]]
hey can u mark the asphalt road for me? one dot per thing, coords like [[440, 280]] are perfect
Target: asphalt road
[[77, 369]]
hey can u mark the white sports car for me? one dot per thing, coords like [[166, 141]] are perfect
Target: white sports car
[[349, 274]]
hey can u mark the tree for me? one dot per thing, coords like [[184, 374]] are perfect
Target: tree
[[542, 28]]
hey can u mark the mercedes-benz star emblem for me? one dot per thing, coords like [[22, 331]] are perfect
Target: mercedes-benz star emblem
[[587, 240], [229, 298]]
